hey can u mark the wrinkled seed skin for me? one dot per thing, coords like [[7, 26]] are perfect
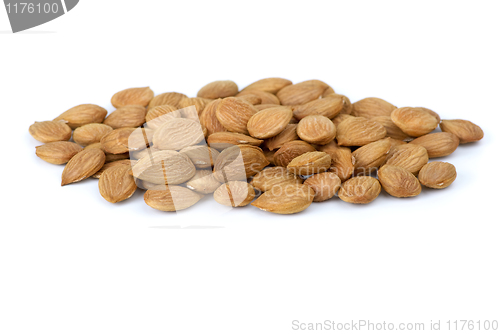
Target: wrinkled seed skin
[[360, 190], [273, 176], [218, 89], [372, 107], [398, 182], [83, 114], [359, 131], [132, 96], [310, 163], [235, 194], [83, 165], [270, 85], [269, 122], [316, 129], [170, 98], [302, 92], [234, 114], [370, 156], [175, 198], [325, 185], [50, 131], [58, 153], [439, 144], [290, 151], [415, 122], [91, 133], [287, 199], [116, 185], [437, 175], [409, 156], [466, 131]]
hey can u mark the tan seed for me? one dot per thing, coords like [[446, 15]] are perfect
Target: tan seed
[[132, 96], [437, 174], [310, 163], [116, 185], [178, 133], [175, 198], [234, 193], [287, 199], [439, 144], [82, 114], [371, 107], [466, 131], [359, 131], [415, 122], [325, 185], [273, 176], [164, 167], [50, 131], [398, 182], [170, 98], [203, 182], [126, 117], [360, 190], [316, 129], [218, 89], [328, 107], [411, 157], [269, 122], [285, 136], [234, 114], [83, 165], [291, 150], [58, 152], [270, 85], [370, 156], [302, 92], [91, 133]]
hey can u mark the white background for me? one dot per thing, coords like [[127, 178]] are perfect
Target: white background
[[72, 263]]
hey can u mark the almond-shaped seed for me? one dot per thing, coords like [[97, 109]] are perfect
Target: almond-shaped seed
[[223, 140], [170, 98], [178, 133], [139, 96], [108, 165], [287, 199], [109, 156], [411, 157], [126, 117], [116, 185], [164, 167], [270, 85], [58, 152], [466, 131], [250, 98], [235, 194], [347, 108], [392, 129], [310, 163], [268, 123], [265, 97], [234, 114], [370, 156], [433, 113], [329, 91], [329, 107], [371, 107], [439, 144], [209, 120], [156, 116], [202, 156], [203, 182], [123, 140], [83, 165], [198, 102], [415, 122], [237, 163], [394, 143], [359, 131], [437, 174], [175, 198], [50, 131], [360, 190], [290, 151], [273, 176], [325, 185], [83, 114], [302, 92], [398, 182], [143, 153], [218, 89], [285, 136], [91, 133], [342, 160], [260, 107], [316, 129]]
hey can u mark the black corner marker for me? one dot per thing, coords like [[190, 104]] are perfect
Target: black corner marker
[[26, 14]]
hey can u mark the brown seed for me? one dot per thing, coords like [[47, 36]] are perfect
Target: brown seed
[[109, 156], [316, 129], [171, 98], [209, 119], [328, 107], [108, 165], [310, 163], [202, 156], [302, 92], [124, 140], [58, 152], [116, 185], [234, 114], [437, 174], [164, 167], [265, 97], [269, 122], [178, 133], [392, 129], [218, 89], [433, 113], [223, 140], [370, 156], [156, 116], [359, 131], [50, 131], [91, 133], [235, 194], [287, 199], [273, 176], [237, 163], [438, 144], [466, 131], [324, 184], [126, 117], [342, 160], [329, 91], [285, 136], [250, 98], [270, 85], [82, 165], [398, 182], [411, 157], [371, 107], [82, 114], [132, 96], [260, 107], [175, 198], [360, 190], [415, 122], [142, 153], [291, 150], [269, 156], [198, 102], [203, 182], [339, 118]]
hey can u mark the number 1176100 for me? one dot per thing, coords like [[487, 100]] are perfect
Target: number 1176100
[[30, 8]]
